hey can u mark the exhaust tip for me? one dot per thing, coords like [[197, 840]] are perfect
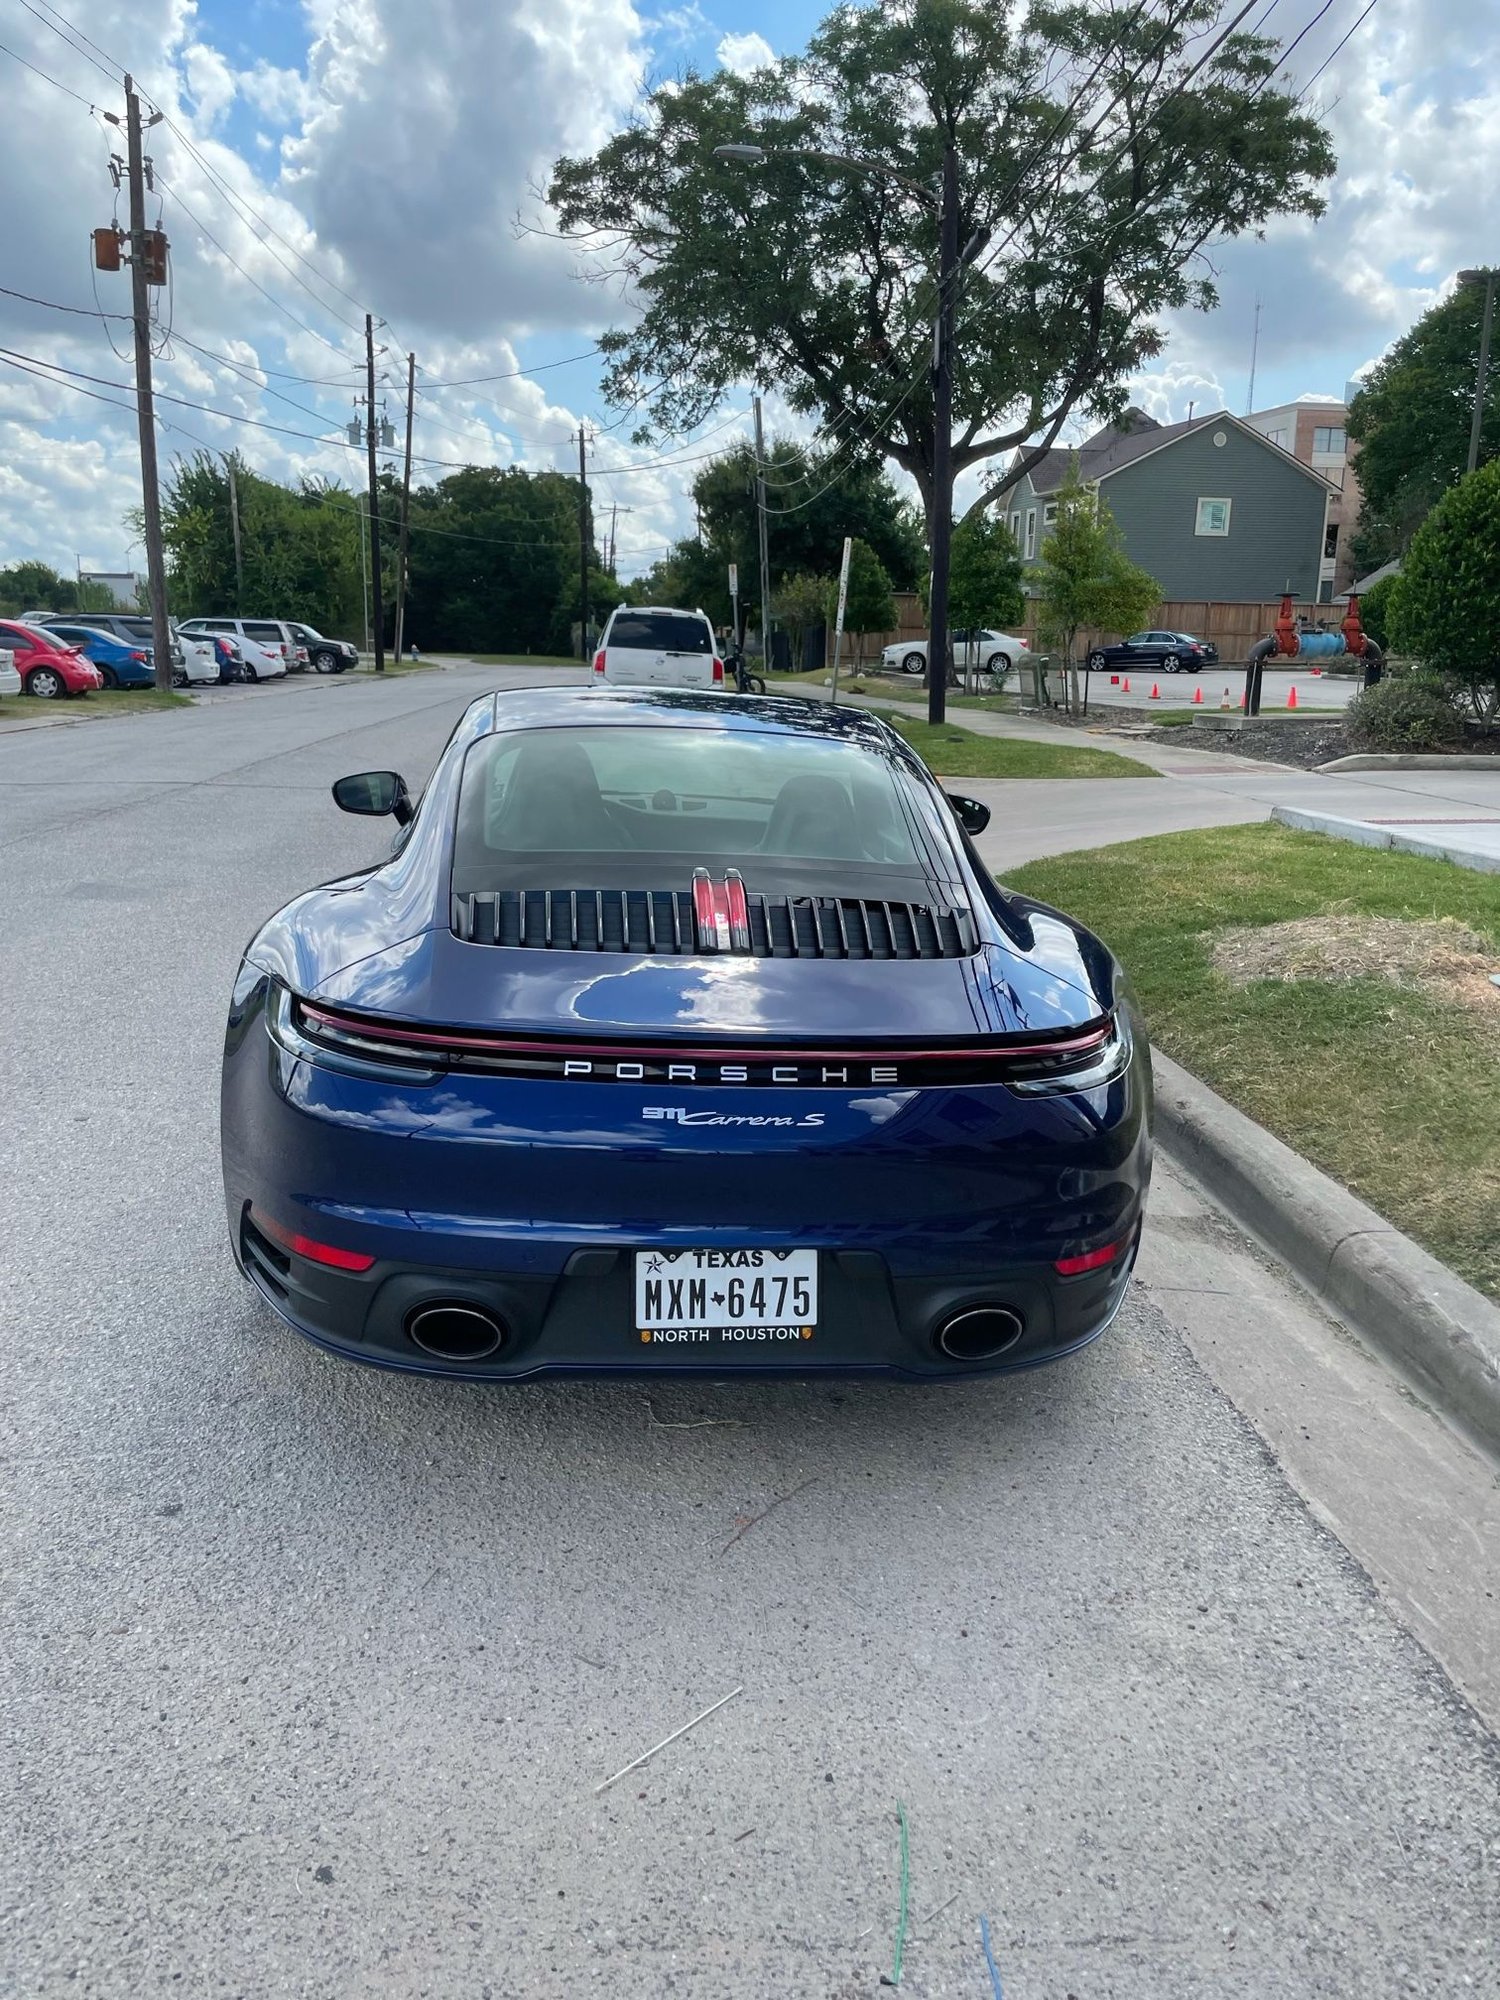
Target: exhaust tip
[[980, 1333], [453, 1331]]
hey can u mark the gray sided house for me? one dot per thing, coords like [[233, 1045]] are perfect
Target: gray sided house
[[1210, 508]]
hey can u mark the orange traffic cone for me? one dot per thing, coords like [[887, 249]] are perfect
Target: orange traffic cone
[[1126, 688], [1197, 697], [1155, 692], [1291, 700], [1316, 672]]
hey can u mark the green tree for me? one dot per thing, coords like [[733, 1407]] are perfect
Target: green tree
[[869, 605], [984, 586], [1375, 610], [36, 586], [801, 607], [1411, 422], [1445, 610], [821, 283], [1085, 578]]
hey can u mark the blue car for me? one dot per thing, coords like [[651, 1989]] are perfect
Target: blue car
[[123, 664], [679, 1031]]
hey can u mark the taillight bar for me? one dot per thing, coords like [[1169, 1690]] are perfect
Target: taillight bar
[[1091, 1260], [309, 1247]]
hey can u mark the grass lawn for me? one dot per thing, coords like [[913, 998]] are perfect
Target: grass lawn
[[513, 659], [1395, 1091], [958, 753], [116, 701]]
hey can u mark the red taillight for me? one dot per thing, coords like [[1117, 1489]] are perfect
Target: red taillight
[[140, 658], [599, 663], [309, 1247], [1091, 1260], [718, 673]]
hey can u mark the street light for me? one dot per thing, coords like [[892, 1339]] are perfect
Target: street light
[[941, 201], [1487, 279]]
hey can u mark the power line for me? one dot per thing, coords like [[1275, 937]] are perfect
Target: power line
[[1337, 48], [114, 72], [267, 296], [510, 374], [113, 75], [25, 64]]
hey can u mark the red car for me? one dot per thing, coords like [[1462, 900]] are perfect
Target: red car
[[47, 667]]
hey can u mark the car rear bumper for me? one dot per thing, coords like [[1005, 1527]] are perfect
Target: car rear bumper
[[529, 1200], [578, 1318]]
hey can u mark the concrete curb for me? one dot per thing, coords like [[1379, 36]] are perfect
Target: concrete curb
[[1439, 1332], [1399, 760], [1365, 835]]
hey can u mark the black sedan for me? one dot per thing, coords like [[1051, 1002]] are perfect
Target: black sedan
[[1173, 652]]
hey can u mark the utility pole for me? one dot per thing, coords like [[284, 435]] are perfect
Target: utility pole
[[374, 494], [942, 441], [583, 543], [765, 557], [1254, 357], [140, 303], [234, 522], [411, 397]]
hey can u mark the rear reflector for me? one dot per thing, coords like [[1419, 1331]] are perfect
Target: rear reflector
[[1091, 1260], [718, 673], [309, 1247]]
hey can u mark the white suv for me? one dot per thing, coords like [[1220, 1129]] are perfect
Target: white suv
[[268, 649], [649, 645]]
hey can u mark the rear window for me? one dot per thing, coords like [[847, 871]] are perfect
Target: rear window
[[268, 635], [619, 805], [660, 632]]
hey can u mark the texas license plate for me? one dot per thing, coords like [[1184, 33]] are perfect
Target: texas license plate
[[725, 1298]]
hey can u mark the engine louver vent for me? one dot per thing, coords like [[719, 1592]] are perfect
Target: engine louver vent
[[661, 922]]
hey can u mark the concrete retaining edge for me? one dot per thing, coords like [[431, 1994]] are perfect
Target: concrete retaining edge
[[1409, 760], [1364, 835], [1441, 1334]]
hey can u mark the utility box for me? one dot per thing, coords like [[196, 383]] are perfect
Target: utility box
[[154, 255], [107, 249]]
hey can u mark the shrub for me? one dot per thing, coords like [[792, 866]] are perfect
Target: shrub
[[1447, 611], [1409, 712], [1375, 610]]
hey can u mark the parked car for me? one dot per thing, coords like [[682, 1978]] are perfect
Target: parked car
[[48, 666], [10, 680], [653, 645], [1173, 652], [267, 647], [120, 663], [192, 660], [726, 969], [228, 657], [327, 656], [975, 649]]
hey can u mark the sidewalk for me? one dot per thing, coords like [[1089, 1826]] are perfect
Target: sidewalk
[[1033, 817]]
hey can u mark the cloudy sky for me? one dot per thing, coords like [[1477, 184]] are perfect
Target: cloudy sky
[[321, 158]]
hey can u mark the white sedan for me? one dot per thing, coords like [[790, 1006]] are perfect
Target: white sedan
[[973, 650]]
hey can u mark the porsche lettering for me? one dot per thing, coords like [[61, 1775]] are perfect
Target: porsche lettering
[[612, 1070]]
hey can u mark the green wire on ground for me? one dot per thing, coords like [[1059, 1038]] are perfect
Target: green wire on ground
[[895, 1978]]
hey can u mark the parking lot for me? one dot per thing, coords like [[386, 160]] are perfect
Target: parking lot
[[317, 1672]]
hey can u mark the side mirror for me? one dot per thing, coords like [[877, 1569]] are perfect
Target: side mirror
[[973, 815], [377, 793]]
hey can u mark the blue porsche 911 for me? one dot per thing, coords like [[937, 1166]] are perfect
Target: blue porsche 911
[[682, 1032]]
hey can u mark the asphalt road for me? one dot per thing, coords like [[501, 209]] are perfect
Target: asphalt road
[[314, 1672]]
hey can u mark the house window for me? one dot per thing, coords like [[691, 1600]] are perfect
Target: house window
[[1213, 517], [1330, 541], [1049, 514], [1328, 437], [1030, 533], [1278, 437], [1015, 529]]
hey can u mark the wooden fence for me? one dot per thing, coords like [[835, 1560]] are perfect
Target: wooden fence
[[1232, 627]]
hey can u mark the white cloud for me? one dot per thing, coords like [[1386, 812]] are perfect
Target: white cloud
[[745, 53], [211, 83]]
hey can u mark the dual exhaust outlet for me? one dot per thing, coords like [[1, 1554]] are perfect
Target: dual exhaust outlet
[[459, 1330]]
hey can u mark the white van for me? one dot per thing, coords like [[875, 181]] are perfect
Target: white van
[[650, 645], [268, 649]]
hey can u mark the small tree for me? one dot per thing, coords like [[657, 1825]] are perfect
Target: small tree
[[1085, 576], [1375, 610], [800, 604], [869, 606], [984, 577], [1445, 610]]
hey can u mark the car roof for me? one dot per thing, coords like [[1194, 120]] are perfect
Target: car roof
[[684, 708], [669, 610]]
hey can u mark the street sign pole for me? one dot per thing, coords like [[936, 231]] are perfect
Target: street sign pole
[[734, 600], [838, 623]]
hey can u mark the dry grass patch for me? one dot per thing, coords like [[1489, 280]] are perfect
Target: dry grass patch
[[1440, 956]]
